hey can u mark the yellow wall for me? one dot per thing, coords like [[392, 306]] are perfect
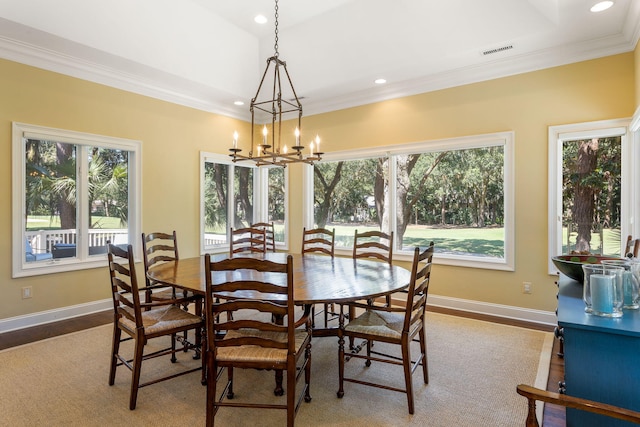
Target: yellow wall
[[173, 136], [637, 73]]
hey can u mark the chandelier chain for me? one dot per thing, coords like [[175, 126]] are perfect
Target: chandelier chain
[[275, 46]]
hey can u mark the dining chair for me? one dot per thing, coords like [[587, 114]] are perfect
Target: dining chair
[[269, 232], [632, 247], [254, 340], [374, 245], [320, 241], [392, 325], [534, 394], [157, 248], [143, 321], [247, 239]]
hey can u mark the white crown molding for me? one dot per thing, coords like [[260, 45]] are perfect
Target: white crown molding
[[204, 98]]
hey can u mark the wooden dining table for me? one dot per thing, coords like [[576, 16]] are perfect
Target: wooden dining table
[[317, 279]]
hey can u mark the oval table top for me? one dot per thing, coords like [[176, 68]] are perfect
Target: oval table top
[[316, 278]]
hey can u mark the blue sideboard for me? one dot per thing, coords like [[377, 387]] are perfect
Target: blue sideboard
[[601, 357]]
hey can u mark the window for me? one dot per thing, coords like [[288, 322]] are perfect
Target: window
[[256, 195], [591, 188], [457, 193], [72, 192]]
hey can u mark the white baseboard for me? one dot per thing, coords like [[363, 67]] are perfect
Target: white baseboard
[[44, 317], [498, 310], [506, 311]]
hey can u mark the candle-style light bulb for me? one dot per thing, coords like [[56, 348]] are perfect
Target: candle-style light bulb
[[297, 133], [284, 150], [235, 139], [264, 135], [317, 143], [259, 148]]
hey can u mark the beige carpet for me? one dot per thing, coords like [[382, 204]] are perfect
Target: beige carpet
[[474, 369]]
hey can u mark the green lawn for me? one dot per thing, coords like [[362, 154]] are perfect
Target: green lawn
[[44, 222], [483, 241]]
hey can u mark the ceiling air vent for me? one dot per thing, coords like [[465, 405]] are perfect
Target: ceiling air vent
[[496, 50]]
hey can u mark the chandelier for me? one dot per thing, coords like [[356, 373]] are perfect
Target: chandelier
[[269, 150]]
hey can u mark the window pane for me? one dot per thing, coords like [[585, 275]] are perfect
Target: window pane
[[276, 208], [50, 195], [215, 203], [108, 198], [591, 196], [350, 195], [454, 198], [243, 196]]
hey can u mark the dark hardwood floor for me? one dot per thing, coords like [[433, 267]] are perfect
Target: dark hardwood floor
[[554, 416]]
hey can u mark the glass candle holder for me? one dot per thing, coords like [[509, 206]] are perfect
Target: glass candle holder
[[630, 282], [602, 289]]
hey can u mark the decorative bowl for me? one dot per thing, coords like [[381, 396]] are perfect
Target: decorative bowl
[[571, 265]]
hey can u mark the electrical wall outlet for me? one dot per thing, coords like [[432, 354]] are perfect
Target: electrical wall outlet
[[527, 288], [27, 292]]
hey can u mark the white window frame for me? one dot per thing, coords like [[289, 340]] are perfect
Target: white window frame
[[81, 261], [504, 139], [629, 183], [260, 198]]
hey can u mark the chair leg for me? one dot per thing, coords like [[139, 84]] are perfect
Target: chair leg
[[369, 345], [406, 363], [230, 380], [115, 348], [307, 374], [135, 375], [340, 392], [211, 388], [173, 348], [291, 390], [423, 350]]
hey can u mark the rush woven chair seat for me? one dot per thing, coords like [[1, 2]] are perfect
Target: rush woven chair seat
[[392, 325], [143, 321], [262, 333], [320, 241]]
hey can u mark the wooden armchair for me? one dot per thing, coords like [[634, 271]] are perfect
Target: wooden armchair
[[247, 239], [320, 241], [392, 325], [142, 321], [253, 339], [533, 394]]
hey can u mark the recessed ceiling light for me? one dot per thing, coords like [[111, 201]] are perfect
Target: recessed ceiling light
[[380, 81], [260, 19], [600, 6], [238, 103]]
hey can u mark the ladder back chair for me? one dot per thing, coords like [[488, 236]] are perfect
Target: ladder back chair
[[247, 239], [157, 248], [320, 241], [143, 321], [392, 325], [263, 332], [376, 245], [270, 236]]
